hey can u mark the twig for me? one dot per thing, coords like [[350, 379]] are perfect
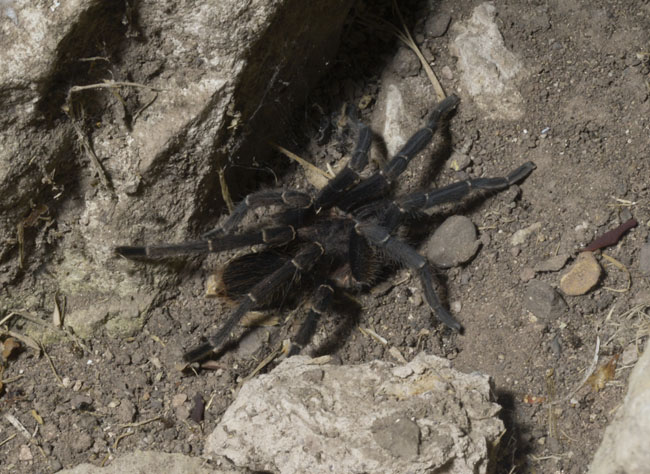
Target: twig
[[94, 160], [267, 360], [225, 193], [113, 85], [121, 437], [373, 334], [141, 423], [49, 359], [18, 425], [2, 443], [12, 379], [7, 318]]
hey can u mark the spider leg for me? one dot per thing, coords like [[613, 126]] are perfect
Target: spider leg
[[408, 256], [320, 303], [290, 199], [349, 175], [304, 260], [393, 211], [379, 183], [456, 191], [271, 236]]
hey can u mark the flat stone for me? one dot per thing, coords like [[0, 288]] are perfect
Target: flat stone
[[361, 418], [520, 236], [152, 461], [552, 264], [644, 259], [453, 243], [582, 276], [543, 301]]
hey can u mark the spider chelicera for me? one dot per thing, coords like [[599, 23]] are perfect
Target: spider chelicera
[[345, 229]]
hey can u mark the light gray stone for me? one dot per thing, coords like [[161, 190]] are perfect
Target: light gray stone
[[489, 69], [453, 243], [377, 417], [625, 444], [152, 462], [644, 259]]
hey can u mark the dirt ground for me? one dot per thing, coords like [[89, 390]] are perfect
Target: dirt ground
[[585, 126]]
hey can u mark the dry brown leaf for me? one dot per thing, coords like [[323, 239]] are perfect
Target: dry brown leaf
[[10, 347], [603, 374]]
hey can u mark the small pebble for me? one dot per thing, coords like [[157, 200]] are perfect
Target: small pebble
[[630, 355], [527, 274], [552, 264], [543, 301], [453, 243], [447, 73], [82, 442], [522, 235], [437, 25], [178, 400], [459, 161], [582, 276], [644, 259], [25, 454], [126, 411]]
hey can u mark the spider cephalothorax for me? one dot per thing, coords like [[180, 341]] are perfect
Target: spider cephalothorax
[[348, 225]]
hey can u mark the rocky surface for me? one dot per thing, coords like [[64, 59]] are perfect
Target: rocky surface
[[584, 124], [307, 416], [624, 448], [86, 164]]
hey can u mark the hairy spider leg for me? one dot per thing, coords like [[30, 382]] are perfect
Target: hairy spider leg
[[409, 257], [320, 303], [395, 210], [379, 183], [304, 260], [349, 176], [265, 198], [272, 236]]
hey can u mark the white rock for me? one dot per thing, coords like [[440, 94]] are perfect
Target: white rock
[[364, 418], [488, 67], [625, 445]]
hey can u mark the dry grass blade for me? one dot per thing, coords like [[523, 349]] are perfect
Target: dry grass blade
[[225, 192], [302, 162], [405, 37], [588, 373], [622, 267], [56, 374]]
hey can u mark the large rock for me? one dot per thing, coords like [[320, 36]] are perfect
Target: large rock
[[624, 449], [311, 417], [207, 80], [489, 69], [152, 462]]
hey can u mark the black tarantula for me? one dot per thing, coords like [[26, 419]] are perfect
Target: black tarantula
[[344, 230]]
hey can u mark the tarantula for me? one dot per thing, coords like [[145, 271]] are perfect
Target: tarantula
[[345, 229]]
